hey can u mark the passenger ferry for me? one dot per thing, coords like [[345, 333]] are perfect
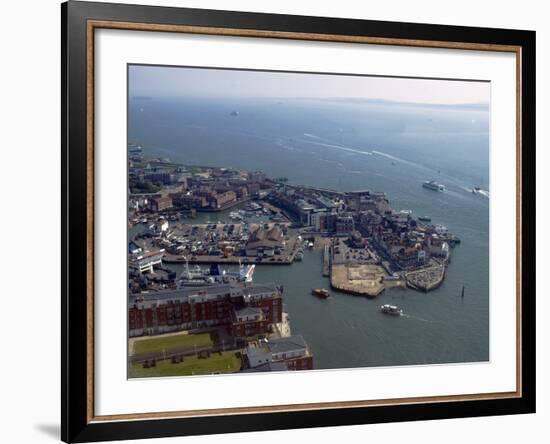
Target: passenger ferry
[[391, 310], [433, 185]]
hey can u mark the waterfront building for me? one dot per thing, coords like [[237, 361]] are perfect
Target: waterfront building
[[438, 246], [159, 176], [222, 199], [344, 224], [324, 222], [160, 203], [327, 203], [216, 305], [188, 201], [264, 241], [248, 321], [410, 257], [253, 188], [291, 350], [305, 210], [145, 262]]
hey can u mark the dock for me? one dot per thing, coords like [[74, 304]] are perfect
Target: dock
[[326, 261]]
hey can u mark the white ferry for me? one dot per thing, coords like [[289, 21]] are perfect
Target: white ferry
[[391, 310], [433, 185]]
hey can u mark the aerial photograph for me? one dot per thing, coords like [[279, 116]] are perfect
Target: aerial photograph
[[282, 221]]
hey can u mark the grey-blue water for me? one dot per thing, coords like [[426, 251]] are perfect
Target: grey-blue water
[[348, 146]]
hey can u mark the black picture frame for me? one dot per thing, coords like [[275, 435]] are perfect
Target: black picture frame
[[76, 424]]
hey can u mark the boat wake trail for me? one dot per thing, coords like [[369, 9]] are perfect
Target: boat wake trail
[[480, 192], [416, 318], [398, 159], [484, 193], [337, 147]]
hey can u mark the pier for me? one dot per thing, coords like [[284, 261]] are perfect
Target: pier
[[326, 261]]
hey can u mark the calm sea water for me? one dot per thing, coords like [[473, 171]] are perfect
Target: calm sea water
[[349, 146]]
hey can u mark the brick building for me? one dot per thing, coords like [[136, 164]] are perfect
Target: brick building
[[227, 304], [248, 321], [159, 203]]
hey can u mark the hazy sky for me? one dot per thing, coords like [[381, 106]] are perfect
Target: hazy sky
[[159, 81]]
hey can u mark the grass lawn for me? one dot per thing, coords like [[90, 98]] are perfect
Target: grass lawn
[[222, 362], [172, 342]]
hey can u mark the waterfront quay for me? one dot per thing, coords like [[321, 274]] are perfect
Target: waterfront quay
[[210, 319], [373, 246]]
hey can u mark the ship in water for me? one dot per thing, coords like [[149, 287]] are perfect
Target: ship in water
[[391, 310], [424, 218], [433, 185], [322, 293], [236, 215], [198, 277], [135, 152]]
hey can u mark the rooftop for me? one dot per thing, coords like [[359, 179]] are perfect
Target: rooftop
[[247, 312], [287, 344], [205, 293], [151, 253]]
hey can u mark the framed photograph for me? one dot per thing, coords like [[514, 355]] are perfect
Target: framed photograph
[[275, 221]]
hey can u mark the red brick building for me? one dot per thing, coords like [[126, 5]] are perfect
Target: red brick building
[[242, 308], [248, 321], [159, 203]]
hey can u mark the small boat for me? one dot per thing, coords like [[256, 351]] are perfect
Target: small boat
[[391, 310], [476, 190], [320, 292], [425, 218]]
